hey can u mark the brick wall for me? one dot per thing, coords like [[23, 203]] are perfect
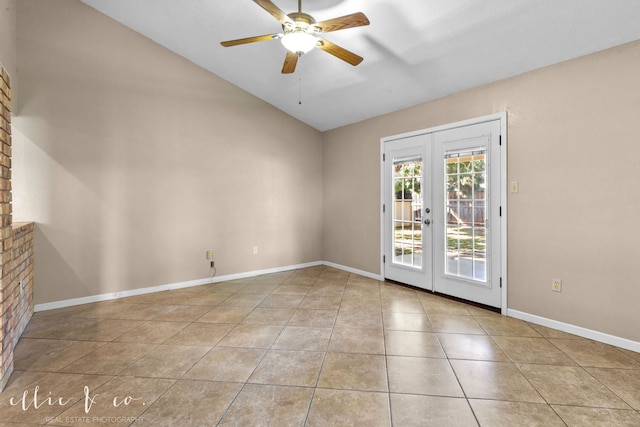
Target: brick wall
[[16, 249]]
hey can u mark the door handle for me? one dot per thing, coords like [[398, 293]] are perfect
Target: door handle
[[427, 221]]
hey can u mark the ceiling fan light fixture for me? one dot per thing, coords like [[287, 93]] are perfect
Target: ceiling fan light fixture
[[299, 41]]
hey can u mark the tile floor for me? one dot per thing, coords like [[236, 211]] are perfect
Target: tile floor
[[312, 347]]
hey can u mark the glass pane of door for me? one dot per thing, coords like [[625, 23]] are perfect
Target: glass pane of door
[[407, 212], [466, 214]]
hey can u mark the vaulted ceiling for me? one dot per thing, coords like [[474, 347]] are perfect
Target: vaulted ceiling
[[414, 50]]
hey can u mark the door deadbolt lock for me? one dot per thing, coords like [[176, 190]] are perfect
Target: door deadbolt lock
[[427, 210]]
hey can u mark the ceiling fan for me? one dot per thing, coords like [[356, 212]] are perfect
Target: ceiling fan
[[300, 34]]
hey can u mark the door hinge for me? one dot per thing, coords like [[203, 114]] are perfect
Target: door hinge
[[500, 211], [501, 283], [383, 208], [384, 259], [499, 139], [384, 157]]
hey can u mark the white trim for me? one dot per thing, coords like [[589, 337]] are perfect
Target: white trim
[[354, 271], [167, 287], [502, 116], [576, 330]]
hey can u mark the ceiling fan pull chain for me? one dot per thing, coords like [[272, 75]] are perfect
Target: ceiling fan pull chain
[[299, 90]]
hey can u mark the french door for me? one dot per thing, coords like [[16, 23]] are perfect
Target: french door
[[442, 211]]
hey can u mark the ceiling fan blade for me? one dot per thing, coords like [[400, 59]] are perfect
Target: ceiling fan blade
[[349, 21], [290, 62], [274, 10], [339, 52], [249, 40]]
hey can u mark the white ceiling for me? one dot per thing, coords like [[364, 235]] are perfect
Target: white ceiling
[[414, 50]]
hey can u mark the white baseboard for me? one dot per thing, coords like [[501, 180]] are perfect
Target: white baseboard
[[576, 330], [167, 287]]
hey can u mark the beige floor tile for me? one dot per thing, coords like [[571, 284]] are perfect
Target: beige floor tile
[[367, 302], [118, 402], [191, 403], [552, 333], [243, 300], [575, 416], [230, 287], [624, 383], [227, 315], [569, 385], [226, 364], [183, 313], [494, 380], [532, 350], [314, 346], [455, 324], [269, 405], [50, 355], [268, 316], [352, 294], [394, 291], [434, 304], [153, 332], [410, 410], [303, 338], [55, 327], [210, 299], [313, 318], [282, 301], [80, 329], [259, 288], [359, 318], [109, 359], [366, 372], [632, 354], [328, 302], [128, 311], [299, 280], [506, 326], [166, 361], [292, 289], [407, 322], [404, 305], [594, 354], [410, 343], [471, 347], [288, 367], [421, 375], [349, 408], [251, 336], [106, 329], [368, 341], [201, 334], [364, 282], [521, 414]]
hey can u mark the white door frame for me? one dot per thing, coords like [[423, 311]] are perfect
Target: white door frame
[[502, 117]]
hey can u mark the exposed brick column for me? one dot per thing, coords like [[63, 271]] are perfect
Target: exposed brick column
[[6, 233], [16, 250]]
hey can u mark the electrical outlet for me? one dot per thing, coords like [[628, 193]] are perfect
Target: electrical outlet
[[255, 250], [556, 285], [209, 254]]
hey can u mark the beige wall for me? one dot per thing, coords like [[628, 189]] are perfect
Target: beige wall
[[133, 162], [573, 145], [8, 39]]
